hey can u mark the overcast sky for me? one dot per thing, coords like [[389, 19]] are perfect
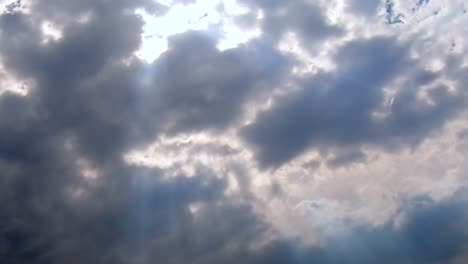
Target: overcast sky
[[235, 131]]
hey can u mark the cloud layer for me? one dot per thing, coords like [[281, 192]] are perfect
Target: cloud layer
[[337, 135]]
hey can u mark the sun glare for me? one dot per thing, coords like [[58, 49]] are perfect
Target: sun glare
[[199, 15]]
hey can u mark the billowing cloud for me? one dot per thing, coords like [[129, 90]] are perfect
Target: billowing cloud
[[334, 134], [215, 85], [342, 107]]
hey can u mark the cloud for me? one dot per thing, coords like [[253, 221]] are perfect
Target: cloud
[[305, 19], [430, 235], [336, 109], [105, 158], [90, 102], [132, 216], [215, 85]]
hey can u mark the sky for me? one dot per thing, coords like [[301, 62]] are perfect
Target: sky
[[233, 131]]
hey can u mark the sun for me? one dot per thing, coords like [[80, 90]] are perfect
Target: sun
[[199, 15]]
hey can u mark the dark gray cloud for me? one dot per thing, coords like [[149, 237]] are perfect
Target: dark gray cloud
[[92, 100], [74, 74], [106, 104], [66, 11], [130, 216], [88, 104], [303, 18], [335, 109], [200, 87]]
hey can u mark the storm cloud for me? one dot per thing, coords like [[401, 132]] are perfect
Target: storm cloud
[[346, 147], [337, 108]]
